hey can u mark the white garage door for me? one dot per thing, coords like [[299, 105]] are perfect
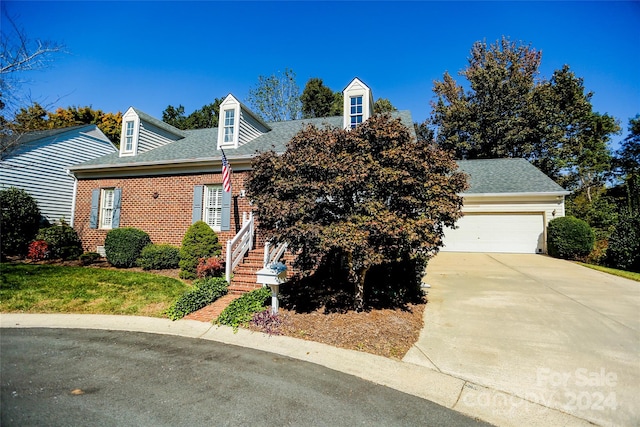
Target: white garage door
[[512, 233]]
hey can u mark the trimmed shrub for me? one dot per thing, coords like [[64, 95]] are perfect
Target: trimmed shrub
[[88, 258], [159, 257], [123, 246], [38, 250], [19, 221], [624, 244], [210, 267], [63, 241], [569, 238], [200, 241], [203, 293], [241, 311]]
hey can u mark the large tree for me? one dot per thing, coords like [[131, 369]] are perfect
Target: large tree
[[276, 97], [492, 119], [203, 118], [509, 112], [373, 194], [317, 99], [629, 162]]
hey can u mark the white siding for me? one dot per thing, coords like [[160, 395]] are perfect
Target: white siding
[[151, 137], [250, 128], [40, 168]]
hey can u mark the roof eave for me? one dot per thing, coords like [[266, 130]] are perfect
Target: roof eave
[[519, 194]]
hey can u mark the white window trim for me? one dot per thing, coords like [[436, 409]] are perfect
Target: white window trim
[[105, 218], [129, 116], [216, 207]]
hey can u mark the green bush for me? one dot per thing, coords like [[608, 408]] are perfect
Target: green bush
[[159, 257], [203, 293], [63, 241], [241, 311], [200, 241], [88, 258], [19, 222], [123, 246], [569, 238], [624, 244]]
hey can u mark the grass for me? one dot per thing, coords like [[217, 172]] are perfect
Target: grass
[[28, 288], [621, 273]]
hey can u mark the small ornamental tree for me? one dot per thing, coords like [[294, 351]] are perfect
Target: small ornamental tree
[[373, 194], [19, 222], [200, 241]]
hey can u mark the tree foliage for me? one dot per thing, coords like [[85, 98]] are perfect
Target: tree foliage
[[276, 97], [373, 194], [383, 105], [509, 112], [317, 99], [205, 117], [19, 221], [628, 161], [492, 119]]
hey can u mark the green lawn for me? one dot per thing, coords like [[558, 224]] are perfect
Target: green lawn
[[622, 273], [29, 288]]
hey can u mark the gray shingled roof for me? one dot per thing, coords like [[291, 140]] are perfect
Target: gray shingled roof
[[490, 176], [200, 144]]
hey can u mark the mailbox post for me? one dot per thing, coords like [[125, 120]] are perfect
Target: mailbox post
[[273, 275]]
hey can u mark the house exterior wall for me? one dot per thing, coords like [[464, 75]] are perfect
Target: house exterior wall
[[40, 168], [166, 217], [551, 206]]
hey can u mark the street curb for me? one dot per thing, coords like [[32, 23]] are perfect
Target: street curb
[[493, 406]]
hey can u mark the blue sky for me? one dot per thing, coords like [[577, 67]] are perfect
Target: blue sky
[[153, 54]]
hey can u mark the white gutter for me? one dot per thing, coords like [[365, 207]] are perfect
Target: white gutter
[[549, 193]]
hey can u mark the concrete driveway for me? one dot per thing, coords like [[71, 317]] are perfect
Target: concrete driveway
[[550, 331]]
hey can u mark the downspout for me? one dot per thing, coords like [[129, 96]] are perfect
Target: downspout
[[73, 198]]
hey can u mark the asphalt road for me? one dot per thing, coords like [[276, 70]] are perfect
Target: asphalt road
[[72, 377]]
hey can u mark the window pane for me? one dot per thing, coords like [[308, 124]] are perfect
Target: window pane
[[106, 211], [213, 206]]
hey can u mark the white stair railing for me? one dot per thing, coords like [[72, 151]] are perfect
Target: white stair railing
[[239, 245], [273, 255]]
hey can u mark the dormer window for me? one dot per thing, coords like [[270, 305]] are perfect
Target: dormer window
[[356, 111], [130, 133], [358, 104], [237, 125], [229, 124]]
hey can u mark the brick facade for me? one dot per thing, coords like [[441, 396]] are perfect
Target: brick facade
[[159, 205]]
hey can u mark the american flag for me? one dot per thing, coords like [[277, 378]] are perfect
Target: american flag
[[226, 174]]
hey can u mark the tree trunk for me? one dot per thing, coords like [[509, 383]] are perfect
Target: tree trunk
[[359, 294], [356, 278]]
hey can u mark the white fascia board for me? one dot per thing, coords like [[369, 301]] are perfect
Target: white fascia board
[[236, 162]]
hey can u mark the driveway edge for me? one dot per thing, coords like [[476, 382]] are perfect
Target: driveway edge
[[471, 399]]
